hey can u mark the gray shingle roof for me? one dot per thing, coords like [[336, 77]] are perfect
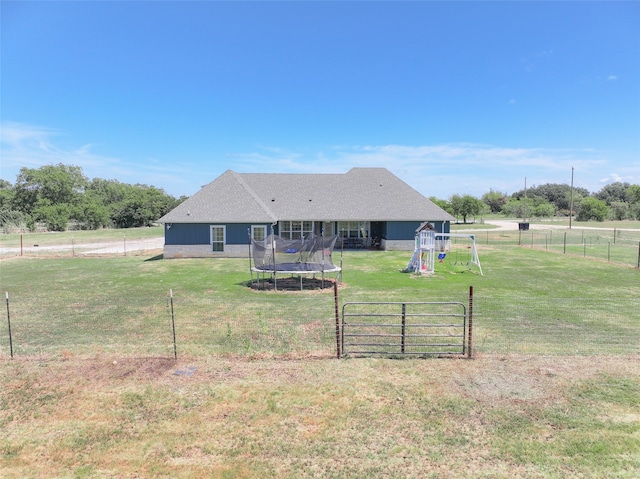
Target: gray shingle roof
[[372, 194]]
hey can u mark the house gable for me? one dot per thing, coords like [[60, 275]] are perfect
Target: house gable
[[368, 203], [374, 194]]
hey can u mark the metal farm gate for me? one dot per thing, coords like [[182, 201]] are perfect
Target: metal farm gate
[[405, 328]]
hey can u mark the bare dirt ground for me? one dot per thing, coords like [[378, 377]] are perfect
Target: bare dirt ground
[[112, 247], [512, 225]]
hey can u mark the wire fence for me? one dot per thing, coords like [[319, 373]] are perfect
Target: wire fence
[[44, 245], [615, 246], [286, 324]]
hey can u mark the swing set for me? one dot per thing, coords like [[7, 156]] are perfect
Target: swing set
[[428, 242]]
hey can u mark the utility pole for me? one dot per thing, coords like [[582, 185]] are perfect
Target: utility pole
[[571, 199], [525, 200]]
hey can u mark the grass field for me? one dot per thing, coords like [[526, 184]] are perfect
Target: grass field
[[86, 409], [497, 417]]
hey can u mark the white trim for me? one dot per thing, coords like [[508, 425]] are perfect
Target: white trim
[[224, 237], [257, 227], [289, 233]]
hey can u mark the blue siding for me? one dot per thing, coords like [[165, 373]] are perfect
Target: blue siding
[[200, 233], [406, 230], [187, 234], [237, 233], [402, 230]]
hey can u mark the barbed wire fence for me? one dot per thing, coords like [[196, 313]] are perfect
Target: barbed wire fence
[[286, 324]]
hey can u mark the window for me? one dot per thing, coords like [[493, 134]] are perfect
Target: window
[[295, 229], [354, 229], [217, 238], [259, 232], [327, 228]]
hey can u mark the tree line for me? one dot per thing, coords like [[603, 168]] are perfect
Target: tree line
[[615, 201], [60, 197]]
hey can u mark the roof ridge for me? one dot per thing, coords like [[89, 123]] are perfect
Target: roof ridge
[[253, 194]]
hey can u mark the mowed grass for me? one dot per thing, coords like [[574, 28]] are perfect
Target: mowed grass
[[528, 301], [244, 416]]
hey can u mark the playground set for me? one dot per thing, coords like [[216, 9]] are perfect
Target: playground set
[[431, 244]]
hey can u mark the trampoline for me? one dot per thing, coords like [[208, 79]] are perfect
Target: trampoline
[[308, 256]]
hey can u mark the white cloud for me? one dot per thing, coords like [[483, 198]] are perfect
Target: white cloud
[[28, 146], [612, 77], [439, 170], [32, 147], [443, 170]]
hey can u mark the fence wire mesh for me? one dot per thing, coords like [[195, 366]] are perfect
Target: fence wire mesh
[[615, 246], [39, 245], [556, 326], [286, 324]]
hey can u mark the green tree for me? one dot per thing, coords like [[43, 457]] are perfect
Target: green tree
[[55, 216], [543, 209], [6, 194], [557, 194], [592, 208], [142, 206], [619, 210], [518, 208], [444, 204], [109, 192], [494, 200], [613, 192], [48, 185], [91, 213], [465, 206], [633, 194]]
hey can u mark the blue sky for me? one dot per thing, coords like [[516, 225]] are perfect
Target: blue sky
[[453, 97]]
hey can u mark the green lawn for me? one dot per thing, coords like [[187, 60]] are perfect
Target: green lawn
[[93, 391], [528, 301]]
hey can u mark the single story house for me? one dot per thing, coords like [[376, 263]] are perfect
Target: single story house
[[365, 207]]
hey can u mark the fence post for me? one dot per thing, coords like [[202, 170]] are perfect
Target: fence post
[[470, 325], [404, 327], [9, 326], [564, 251], [173, 325], [335, 300], [638, 254]]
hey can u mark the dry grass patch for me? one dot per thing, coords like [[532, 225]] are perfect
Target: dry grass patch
[[253, 417]]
